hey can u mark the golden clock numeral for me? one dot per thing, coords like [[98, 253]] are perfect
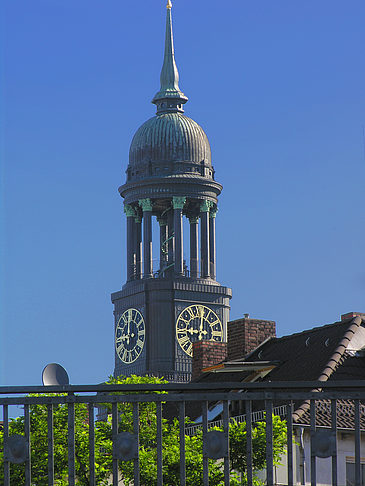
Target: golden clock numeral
[[184, 340], [191, 312], [216, 333]]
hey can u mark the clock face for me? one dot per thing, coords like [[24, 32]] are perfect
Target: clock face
[[197, 323], [130, 335]]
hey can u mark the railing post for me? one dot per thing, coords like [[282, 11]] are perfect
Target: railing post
[[249, 441], [136, 433], [182, 444], [6, 436], [114, 437], [312, 432], [91, 445], [226, 434], [334, 429], [28, 472], [71, 442], [205, 430], [269, 444], [159, 443], [50, 444], [357, 444], [289, 435]]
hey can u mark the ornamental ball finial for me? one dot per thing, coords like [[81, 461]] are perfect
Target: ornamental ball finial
[[169, 4]]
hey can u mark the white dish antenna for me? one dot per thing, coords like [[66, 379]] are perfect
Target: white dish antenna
[[55, 374]]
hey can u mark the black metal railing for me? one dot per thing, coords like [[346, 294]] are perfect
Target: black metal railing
[[316, 416]]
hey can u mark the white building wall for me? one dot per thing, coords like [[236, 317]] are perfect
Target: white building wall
[[345, 453]]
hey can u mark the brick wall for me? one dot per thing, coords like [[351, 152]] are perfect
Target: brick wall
[[352, 314], [207, 353], [244, 335]]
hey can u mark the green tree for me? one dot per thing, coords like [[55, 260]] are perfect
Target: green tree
[[39, 446], [148, 446]]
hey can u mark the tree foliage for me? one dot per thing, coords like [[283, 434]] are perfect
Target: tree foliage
[[147, 451]]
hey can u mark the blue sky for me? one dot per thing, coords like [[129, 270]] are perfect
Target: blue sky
[[279, 89]]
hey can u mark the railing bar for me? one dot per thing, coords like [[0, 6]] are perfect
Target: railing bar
[[357, 443], [312, 432], [289, 431], [269, 443], [71, 443], [249, 442], [114, 437], [28, 473], [182, 443], [334, 430], [6, 436], [50, 445], [191, 396], [226, 433], [91, 445], [159, 443], [205, 431], [183, 387], [136, 433]]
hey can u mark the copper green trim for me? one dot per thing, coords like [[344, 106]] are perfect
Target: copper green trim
[[213, 212], [169, 77], [178, 202], [145, 204], [129, 210], [205, 206]]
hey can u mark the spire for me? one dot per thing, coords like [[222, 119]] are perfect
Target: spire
[[169, 98]]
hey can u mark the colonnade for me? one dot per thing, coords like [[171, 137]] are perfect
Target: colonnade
[[139, 240]]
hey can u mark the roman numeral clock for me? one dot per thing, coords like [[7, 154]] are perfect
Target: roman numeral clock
[[169, 302]]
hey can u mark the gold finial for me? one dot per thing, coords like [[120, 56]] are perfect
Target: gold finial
[[169, 4]]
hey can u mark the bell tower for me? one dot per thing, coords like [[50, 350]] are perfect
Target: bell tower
[[164, 307]]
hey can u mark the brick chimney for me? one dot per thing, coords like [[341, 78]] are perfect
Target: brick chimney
[[245, 334], [352, 314], [207, 353]]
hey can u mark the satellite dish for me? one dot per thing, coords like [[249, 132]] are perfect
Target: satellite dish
[[55, 374]]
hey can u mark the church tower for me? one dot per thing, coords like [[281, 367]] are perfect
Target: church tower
[[162, 309]]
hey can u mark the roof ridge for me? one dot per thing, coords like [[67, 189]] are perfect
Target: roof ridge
[[333, 362]]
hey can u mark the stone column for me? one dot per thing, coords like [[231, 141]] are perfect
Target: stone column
[[194, 247], [163, 242], [130, 213], [204, 244], [170, 244], [146, 206], [138, 240], [212, 214], [178, 204]]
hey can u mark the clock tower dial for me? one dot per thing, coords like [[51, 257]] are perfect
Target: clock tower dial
[[197, 323], [130, 336]]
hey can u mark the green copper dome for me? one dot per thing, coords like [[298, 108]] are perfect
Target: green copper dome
[[170, 143], [170, 137]]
